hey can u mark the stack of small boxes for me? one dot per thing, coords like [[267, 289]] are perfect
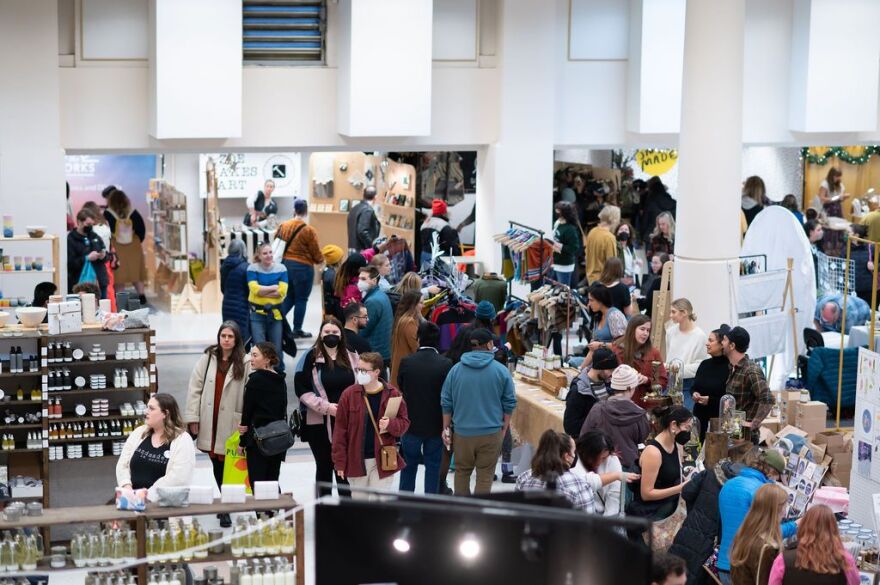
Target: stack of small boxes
[[811, 417], [788, 403], [839, 447], [65, 317]]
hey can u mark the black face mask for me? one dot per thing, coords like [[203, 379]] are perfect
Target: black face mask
[[682, 437], [622, 237], [331, 340], [87, 229]]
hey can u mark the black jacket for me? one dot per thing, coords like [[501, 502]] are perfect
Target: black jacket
[[447, 236], [420, 379], [265, 400], [860, 257], [78, 248], [695, 540], [657, 203], [578, 405], [363, 226], [234, 287]]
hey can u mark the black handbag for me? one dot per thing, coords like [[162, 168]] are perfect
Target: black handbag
[[274, 438], [295, 422]]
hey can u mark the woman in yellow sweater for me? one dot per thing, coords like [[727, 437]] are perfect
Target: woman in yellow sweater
[[267, 283]]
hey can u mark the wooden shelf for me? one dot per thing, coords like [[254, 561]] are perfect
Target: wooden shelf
[[86, 456], [28, 374], [20, 451], [70, 417], [400, 229], [27, 238], [27, 426], [41, 271], [138, 362], [20, 403], [396, 206], [329, 212], [87, 440], [87, 391]]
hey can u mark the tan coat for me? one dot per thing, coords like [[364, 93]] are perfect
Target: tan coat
[[200, 403], [404, 341]]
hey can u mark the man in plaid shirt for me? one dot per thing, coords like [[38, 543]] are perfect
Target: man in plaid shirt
[[746, 382]]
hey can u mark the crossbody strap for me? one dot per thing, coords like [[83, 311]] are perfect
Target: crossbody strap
[[372, 418], [292, 237]]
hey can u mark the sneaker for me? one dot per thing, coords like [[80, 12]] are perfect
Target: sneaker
[[301, 334], [508, 478], [445, 490], [225, 520]]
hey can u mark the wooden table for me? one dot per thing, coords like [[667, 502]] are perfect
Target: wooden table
[[536, 411]]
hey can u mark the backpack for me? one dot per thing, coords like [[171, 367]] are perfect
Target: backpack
[[123, 233]]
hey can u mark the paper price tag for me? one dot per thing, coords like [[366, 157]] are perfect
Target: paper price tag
[[45, 362], [152, 367], [152, 378], [45, 379], [45, 413], [44, 351], [45, 444], [152, 349], [45, 434], [45, 394]]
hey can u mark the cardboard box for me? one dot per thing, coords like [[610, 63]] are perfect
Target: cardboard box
[[835, 442], [811, 426], [773, 424], [812, 409]]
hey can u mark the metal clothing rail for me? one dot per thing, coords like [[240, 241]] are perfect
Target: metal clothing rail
[[540, 234]]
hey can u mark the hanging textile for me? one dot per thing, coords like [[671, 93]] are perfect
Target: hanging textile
[[531, 254], [399, 255]]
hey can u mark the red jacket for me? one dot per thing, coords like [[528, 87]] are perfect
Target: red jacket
[[643, 366], [348, 434]]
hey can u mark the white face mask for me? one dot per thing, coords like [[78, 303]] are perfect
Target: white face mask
[[363, 286], [362, 378]]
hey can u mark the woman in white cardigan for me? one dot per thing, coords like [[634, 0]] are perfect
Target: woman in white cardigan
[[159, 453], [686, 342]]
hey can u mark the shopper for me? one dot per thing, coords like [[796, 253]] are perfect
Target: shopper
[[831, 194], [447, 238], [667, 569], [333, 255], [612, 279], [663, 237], [484, 318], [567, 235], [111, 261], [346, 285], [265, 401], [420, 378], [635, 349], [215, 397], [815, 233], [159, 453], [657, 201], [301, 254], [325, 371], [758, 541], [620, 418], [383, 266], [829, 312], [735, 499], [601, 244], [377, 331], [588, 387], [360, 415], [595, 451], [267, 283], [493, 288], [260, 205], [685, 342], [478, 400], [235, 290], [129, 233], [746, 382], [42, 292], [609, 322], [551, 470], [790, 203], [710, 380], [754, 194], [632, 264], [820, 556], [695, 540], [871, 221], [405, 335], [84, 245], [356, 318], [658, 494], [651, 283], [363, 225]]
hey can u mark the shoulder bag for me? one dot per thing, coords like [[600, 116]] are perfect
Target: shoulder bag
[[279, 250], [274, 438], [387, 453]]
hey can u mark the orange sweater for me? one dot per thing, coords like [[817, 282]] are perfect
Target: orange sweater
[[599, 246], [304, 248]]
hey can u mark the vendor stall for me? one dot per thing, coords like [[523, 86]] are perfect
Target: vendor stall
[[536, 411]]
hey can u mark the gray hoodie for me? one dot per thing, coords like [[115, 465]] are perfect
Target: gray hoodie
[[622, 420]]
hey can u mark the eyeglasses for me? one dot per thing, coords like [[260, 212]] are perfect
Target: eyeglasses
[[363, 317], [362, 371]]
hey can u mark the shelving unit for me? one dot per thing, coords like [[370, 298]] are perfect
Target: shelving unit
[[168, 268], [400, 180], [35, 462], [55, 256]]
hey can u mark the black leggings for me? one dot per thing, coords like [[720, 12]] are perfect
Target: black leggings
[[217, 465], [322, 452], [262, 468]]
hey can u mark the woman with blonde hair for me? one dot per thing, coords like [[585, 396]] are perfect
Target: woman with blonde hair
[[663, 236], [686, 342], [754, 198], [759, 539], [819, 557], [129, 233]]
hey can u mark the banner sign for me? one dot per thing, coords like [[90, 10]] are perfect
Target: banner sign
[[88, 175], [240, 175], [656, 162]]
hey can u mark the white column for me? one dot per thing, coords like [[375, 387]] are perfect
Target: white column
[[707, 239], [515, 175], [31, 157]]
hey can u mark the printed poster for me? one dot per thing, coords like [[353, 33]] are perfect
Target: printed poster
[[868, 378]]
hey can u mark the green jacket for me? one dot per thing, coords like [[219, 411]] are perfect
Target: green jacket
[[567, 235]]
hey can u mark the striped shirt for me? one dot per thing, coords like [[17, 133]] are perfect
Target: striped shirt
[[258, 276], [575, 489]]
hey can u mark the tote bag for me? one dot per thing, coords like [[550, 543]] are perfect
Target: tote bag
[[88, 273], [235, 469]]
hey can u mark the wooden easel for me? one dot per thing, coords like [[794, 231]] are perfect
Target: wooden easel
[[209, 280], [788, 299], [660, 309]]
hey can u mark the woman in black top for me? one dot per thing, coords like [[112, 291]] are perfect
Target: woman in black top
[[265, 401], [710, 381], [612, 275], [661, 483], [327, 370]]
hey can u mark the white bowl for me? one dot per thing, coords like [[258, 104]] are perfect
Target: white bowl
[[31, 316], [4, 318]]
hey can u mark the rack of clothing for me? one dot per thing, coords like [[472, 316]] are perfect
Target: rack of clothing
[[400, 256], [527, 253], [555, 308], [252, 236]]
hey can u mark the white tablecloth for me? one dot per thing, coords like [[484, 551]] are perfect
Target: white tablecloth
[[858, 336]]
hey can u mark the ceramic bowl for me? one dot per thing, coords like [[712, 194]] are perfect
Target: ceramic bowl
[[36, 231], [30, 316]]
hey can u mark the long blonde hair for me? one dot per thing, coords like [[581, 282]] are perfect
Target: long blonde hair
[[761, 525], [668, 217]]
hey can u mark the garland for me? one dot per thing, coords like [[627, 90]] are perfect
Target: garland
[[841, 154]]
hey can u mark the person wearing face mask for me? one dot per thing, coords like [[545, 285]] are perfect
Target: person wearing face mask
[[551, 466], [651, 283], [588, 387], [265, 401], [360, 414], [84, 245], [632, 266], [568, 238], [377, 331], [323, 374], [356, 318]]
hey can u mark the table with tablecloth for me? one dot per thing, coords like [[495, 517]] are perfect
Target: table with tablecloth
[[536, 411], [858, 336]]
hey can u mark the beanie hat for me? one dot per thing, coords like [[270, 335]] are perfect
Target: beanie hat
[[624, 378], [485, 310], [332, 253], [774, 459], [604, 359], [438, 207]]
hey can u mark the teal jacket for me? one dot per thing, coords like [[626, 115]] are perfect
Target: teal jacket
[[478, 392], [378, 329]]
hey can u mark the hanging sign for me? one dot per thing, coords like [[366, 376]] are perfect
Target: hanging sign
[[243, 174], [656, 162]]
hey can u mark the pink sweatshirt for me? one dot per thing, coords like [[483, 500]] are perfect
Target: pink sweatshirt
[[777, 571]]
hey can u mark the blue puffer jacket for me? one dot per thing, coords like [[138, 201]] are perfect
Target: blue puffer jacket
[[378, 329], [234, 286]]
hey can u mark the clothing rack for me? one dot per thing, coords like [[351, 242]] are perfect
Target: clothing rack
[[540, 233], [568, 299]]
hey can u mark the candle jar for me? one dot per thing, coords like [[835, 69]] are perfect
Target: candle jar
[[8, 230], [38, 263], [28, 263], [17, 262]]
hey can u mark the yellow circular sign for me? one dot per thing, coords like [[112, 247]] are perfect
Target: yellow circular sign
[[656, 162]]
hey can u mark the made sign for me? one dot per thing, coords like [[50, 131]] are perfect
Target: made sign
[[656, 162]]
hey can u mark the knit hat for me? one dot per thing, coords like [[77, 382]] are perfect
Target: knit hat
[[485, 310], [438, 207], [740, 338], [774, 459], [624, 378], [332, 253], [604, 359]]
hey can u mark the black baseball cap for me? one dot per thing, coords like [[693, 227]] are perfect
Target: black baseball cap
[[739, 337], [604, 359], [480, 337]]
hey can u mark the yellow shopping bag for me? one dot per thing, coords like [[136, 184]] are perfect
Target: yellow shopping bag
[[235, 469]]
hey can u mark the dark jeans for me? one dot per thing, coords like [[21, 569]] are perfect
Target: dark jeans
[[316, 435], [267, 328], [262, 468], [300, 278], [415, 450]]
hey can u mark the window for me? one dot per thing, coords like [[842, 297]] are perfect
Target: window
[[283, 31]]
